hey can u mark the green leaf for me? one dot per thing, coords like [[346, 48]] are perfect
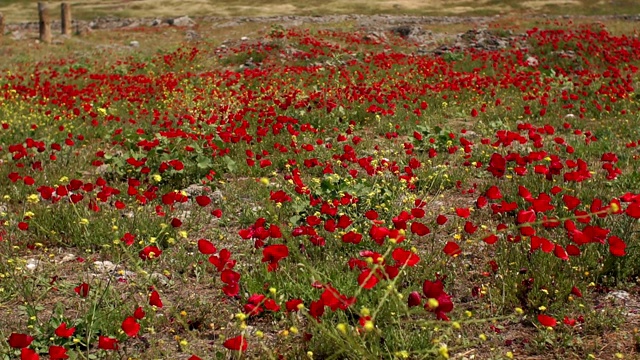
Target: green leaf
[[231, 164], [204, 162]]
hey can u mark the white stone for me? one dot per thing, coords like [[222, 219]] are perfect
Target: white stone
[[32, 264], [104, 266]]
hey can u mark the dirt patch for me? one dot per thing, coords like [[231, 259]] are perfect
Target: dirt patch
[[23, 11], [538, 5]]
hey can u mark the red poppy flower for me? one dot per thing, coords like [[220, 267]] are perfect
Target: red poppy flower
[[279, 196], [82, 290], [130, 326], [28, 354], [452, 249], [491, 239], [150, 252], [271, 305], [378, 234], [217, 213], [463, 212], [633, 210], [238, 343], [223, 260], [352, 237], [19, 341], [107, 343], [264, 163], [316, 309], [494, 193], [203, 200], [139, 313], [526, 216], [334, 300], [367, 279], [231, 290], [617, 246], [569, 321], [206, 247], [575, 291], [481, 202], [371, 214], [570, 202], [419, 228], [497, 165], [293, 305], [402, 257], [154, 299], [57, 353], [443, 304], [273, 254], [547, 321], [560, 252], [344, 221], [414, 299], [469, 228], [64, 332], [573, 250], [176, 223], [128, 239]]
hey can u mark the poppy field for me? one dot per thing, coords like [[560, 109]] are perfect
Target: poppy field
[[324, 193]]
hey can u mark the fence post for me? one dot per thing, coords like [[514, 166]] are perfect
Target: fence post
[[45, 24], [65, 9]]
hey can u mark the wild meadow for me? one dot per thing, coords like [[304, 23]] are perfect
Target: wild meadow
[[321, 193]]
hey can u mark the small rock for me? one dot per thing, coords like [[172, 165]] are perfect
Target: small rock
[[156, 22], [181, 21], [102, 169], [195, 189], [17, 35], [32, 264], [184, 215], [406, 30], [375, 36], [85, 30], [569, 116], [244, 38], [532, 62], [104, 266], [471, 134], [192, 35], [618, 295], [134, 44], [68, 258], [161, 279], [217, 195]]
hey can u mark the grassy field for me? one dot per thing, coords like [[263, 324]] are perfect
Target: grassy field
[[322, 191], [24, 10]]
